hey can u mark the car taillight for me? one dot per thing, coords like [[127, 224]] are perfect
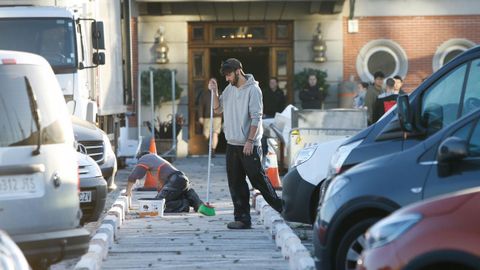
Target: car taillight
[[9, 61]]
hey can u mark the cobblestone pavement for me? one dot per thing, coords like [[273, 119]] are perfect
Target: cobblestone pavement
[[190, 240]]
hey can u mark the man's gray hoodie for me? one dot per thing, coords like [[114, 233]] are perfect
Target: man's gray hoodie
[[242, 107]]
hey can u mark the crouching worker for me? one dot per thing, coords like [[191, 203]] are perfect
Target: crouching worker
[[172, 184]]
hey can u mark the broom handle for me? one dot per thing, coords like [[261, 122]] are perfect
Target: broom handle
[[210, 146]]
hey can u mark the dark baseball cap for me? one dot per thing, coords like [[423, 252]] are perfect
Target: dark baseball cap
[[229, 66]]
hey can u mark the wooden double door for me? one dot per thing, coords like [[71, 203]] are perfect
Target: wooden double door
[[264, 58]]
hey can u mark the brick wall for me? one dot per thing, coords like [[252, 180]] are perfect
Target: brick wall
[[418, 36]]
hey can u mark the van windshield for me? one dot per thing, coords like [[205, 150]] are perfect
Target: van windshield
[[17, 124], [52, 38]]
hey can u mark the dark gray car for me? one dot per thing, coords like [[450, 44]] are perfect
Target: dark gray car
[[448, 161]]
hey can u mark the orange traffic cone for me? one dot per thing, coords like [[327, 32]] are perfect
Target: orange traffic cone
[[150, 181], [271, 169], [153, 148]]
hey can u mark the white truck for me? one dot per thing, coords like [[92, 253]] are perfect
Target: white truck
[[81, 39]]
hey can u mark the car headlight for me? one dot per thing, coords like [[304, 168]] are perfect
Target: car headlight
[[304, 155], [390, 228], [92, 170], [87, 167], [107, 145], [340, 156], [335, 186]]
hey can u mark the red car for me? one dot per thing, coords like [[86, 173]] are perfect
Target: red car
[[443, 233]]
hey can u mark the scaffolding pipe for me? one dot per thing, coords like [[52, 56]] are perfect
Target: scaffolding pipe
[[152, 124], [139, 109]]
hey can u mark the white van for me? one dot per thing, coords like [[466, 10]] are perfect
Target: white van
[[39, 184]]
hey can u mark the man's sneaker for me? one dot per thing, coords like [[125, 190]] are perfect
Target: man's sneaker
[[238, 225]]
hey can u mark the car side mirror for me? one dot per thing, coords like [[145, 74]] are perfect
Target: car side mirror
[[98, 36], [98, 58], [404, 113], [450, 150]]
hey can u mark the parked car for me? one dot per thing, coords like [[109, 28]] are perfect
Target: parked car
[[38, 165], [11, 257], [98, 147], [386, 136], [442, 233], [449, 93], [448, 161], [301, 185], [93, 188]]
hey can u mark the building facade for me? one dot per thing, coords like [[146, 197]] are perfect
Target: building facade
[[276, 39]]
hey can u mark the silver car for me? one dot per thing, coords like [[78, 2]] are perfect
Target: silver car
[[39, 205], [93, 187]]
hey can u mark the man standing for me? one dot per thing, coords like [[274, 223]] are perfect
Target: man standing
[[241, 104], [172, 184], [273, 99], [385, 101], [372, 93], [311, 96]]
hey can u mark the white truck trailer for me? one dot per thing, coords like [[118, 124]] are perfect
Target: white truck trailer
[[81, 39]]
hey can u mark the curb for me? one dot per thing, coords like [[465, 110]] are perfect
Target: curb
[[298, 256], [103, 239]]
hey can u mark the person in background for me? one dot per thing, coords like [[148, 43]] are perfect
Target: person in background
[[372, 93], [398, 85], [241, 104], [205, 119], [385, 101], [273, 99], [273, 102], [311, 97], [172, 184], [359, 99]]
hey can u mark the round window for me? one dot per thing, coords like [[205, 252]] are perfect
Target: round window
[[381, 55], [450, 55], [382, 61], [449, 50]]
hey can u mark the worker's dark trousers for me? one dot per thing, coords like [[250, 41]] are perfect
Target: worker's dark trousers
[[238, 166], [178, 194]]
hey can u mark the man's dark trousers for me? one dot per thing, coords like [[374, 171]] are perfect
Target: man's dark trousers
[[178, 194], [240, 165]]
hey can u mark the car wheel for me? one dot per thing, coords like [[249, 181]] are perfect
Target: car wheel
[[352, 244]]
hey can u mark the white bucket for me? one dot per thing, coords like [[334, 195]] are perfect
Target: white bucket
[[151, 207]]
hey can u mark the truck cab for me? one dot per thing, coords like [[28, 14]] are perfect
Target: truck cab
[[59, 35], [71, 42]]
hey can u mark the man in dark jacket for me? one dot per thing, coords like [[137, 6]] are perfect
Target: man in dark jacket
[[372, 93], [311, 96], [385, 101], [273, 99]]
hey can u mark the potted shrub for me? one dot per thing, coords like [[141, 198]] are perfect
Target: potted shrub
[[162, 86]]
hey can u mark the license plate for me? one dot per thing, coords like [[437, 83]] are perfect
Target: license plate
[[85, 196], [20, 185]]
